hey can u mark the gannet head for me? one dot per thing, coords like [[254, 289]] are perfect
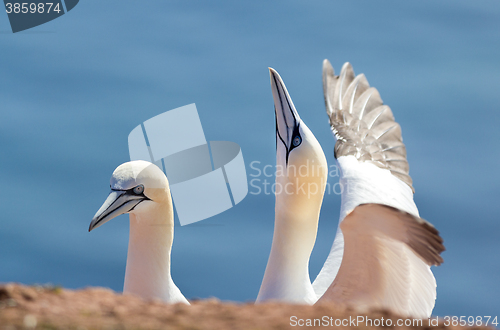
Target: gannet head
[[298, 153], [137, 187]]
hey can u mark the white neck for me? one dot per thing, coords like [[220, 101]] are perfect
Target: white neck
[[287, 273], [148, 260]]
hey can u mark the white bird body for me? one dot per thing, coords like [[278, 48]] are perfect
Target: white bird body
[[366, 183], [362, 183], [141, 189], [383, 251]]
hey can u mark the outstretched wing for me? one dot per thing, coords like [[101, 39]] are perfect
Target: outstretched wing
[[363, 125], [387, 254], [383, 251]]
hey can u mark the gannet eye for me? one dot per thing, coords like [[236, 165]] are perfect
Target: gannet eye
[[297, 141], [139, 189]]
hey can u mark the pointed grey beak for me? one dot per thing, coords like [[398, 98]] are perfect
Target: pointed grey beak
[[287, 117], [117, 203]]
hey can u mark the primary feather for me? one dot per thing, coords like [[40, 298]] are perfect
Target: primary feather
[[363, 125]]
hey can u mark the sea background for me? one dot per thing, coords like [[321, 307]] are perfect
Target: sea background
[[72, 89]]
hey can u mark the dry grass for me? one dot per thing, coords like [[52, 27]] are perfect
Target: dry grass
[[37, 307]]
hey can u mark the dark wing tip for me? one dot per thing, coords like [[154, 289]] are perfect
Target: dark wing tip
[[420, 235], [423, 237]]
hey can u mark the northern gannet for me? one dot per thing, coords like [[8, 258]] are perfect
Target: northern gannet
[[383, 250], [141, 189], [300, 185]]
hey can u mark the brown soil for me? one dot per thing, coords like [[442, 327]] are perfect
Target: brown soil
[[37, 307]]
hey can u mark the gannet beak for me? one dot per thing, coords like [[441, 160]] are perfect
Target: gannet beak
[[118, 202], [287, 117]]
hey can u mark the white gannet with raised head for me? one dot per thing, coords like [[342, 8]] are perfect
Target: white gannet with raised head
[[383, 259], [383, 250], [141, 189], [301, 174]]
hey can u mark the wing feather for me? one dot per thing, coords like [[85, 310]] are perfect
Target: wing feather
[[363, 125], [386, 261]]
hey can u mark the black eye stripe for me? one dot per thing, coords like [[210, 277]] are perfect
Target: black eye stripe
[[278, 132], [132, 192]]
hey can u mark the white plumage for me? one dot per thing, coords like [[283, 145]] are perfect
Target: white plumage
[[383, 251], [141, 189], [297, 210]]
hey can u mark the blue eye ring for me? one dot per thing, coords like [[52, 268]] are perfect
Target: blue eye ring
[[297, 141], [139, 189]]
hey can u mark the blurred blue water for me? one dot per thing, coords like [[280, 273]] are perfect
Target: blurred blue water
[[71, 90]]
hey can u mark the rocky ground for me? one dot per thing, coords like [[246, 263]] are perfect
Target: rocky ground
[[47, 307]]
